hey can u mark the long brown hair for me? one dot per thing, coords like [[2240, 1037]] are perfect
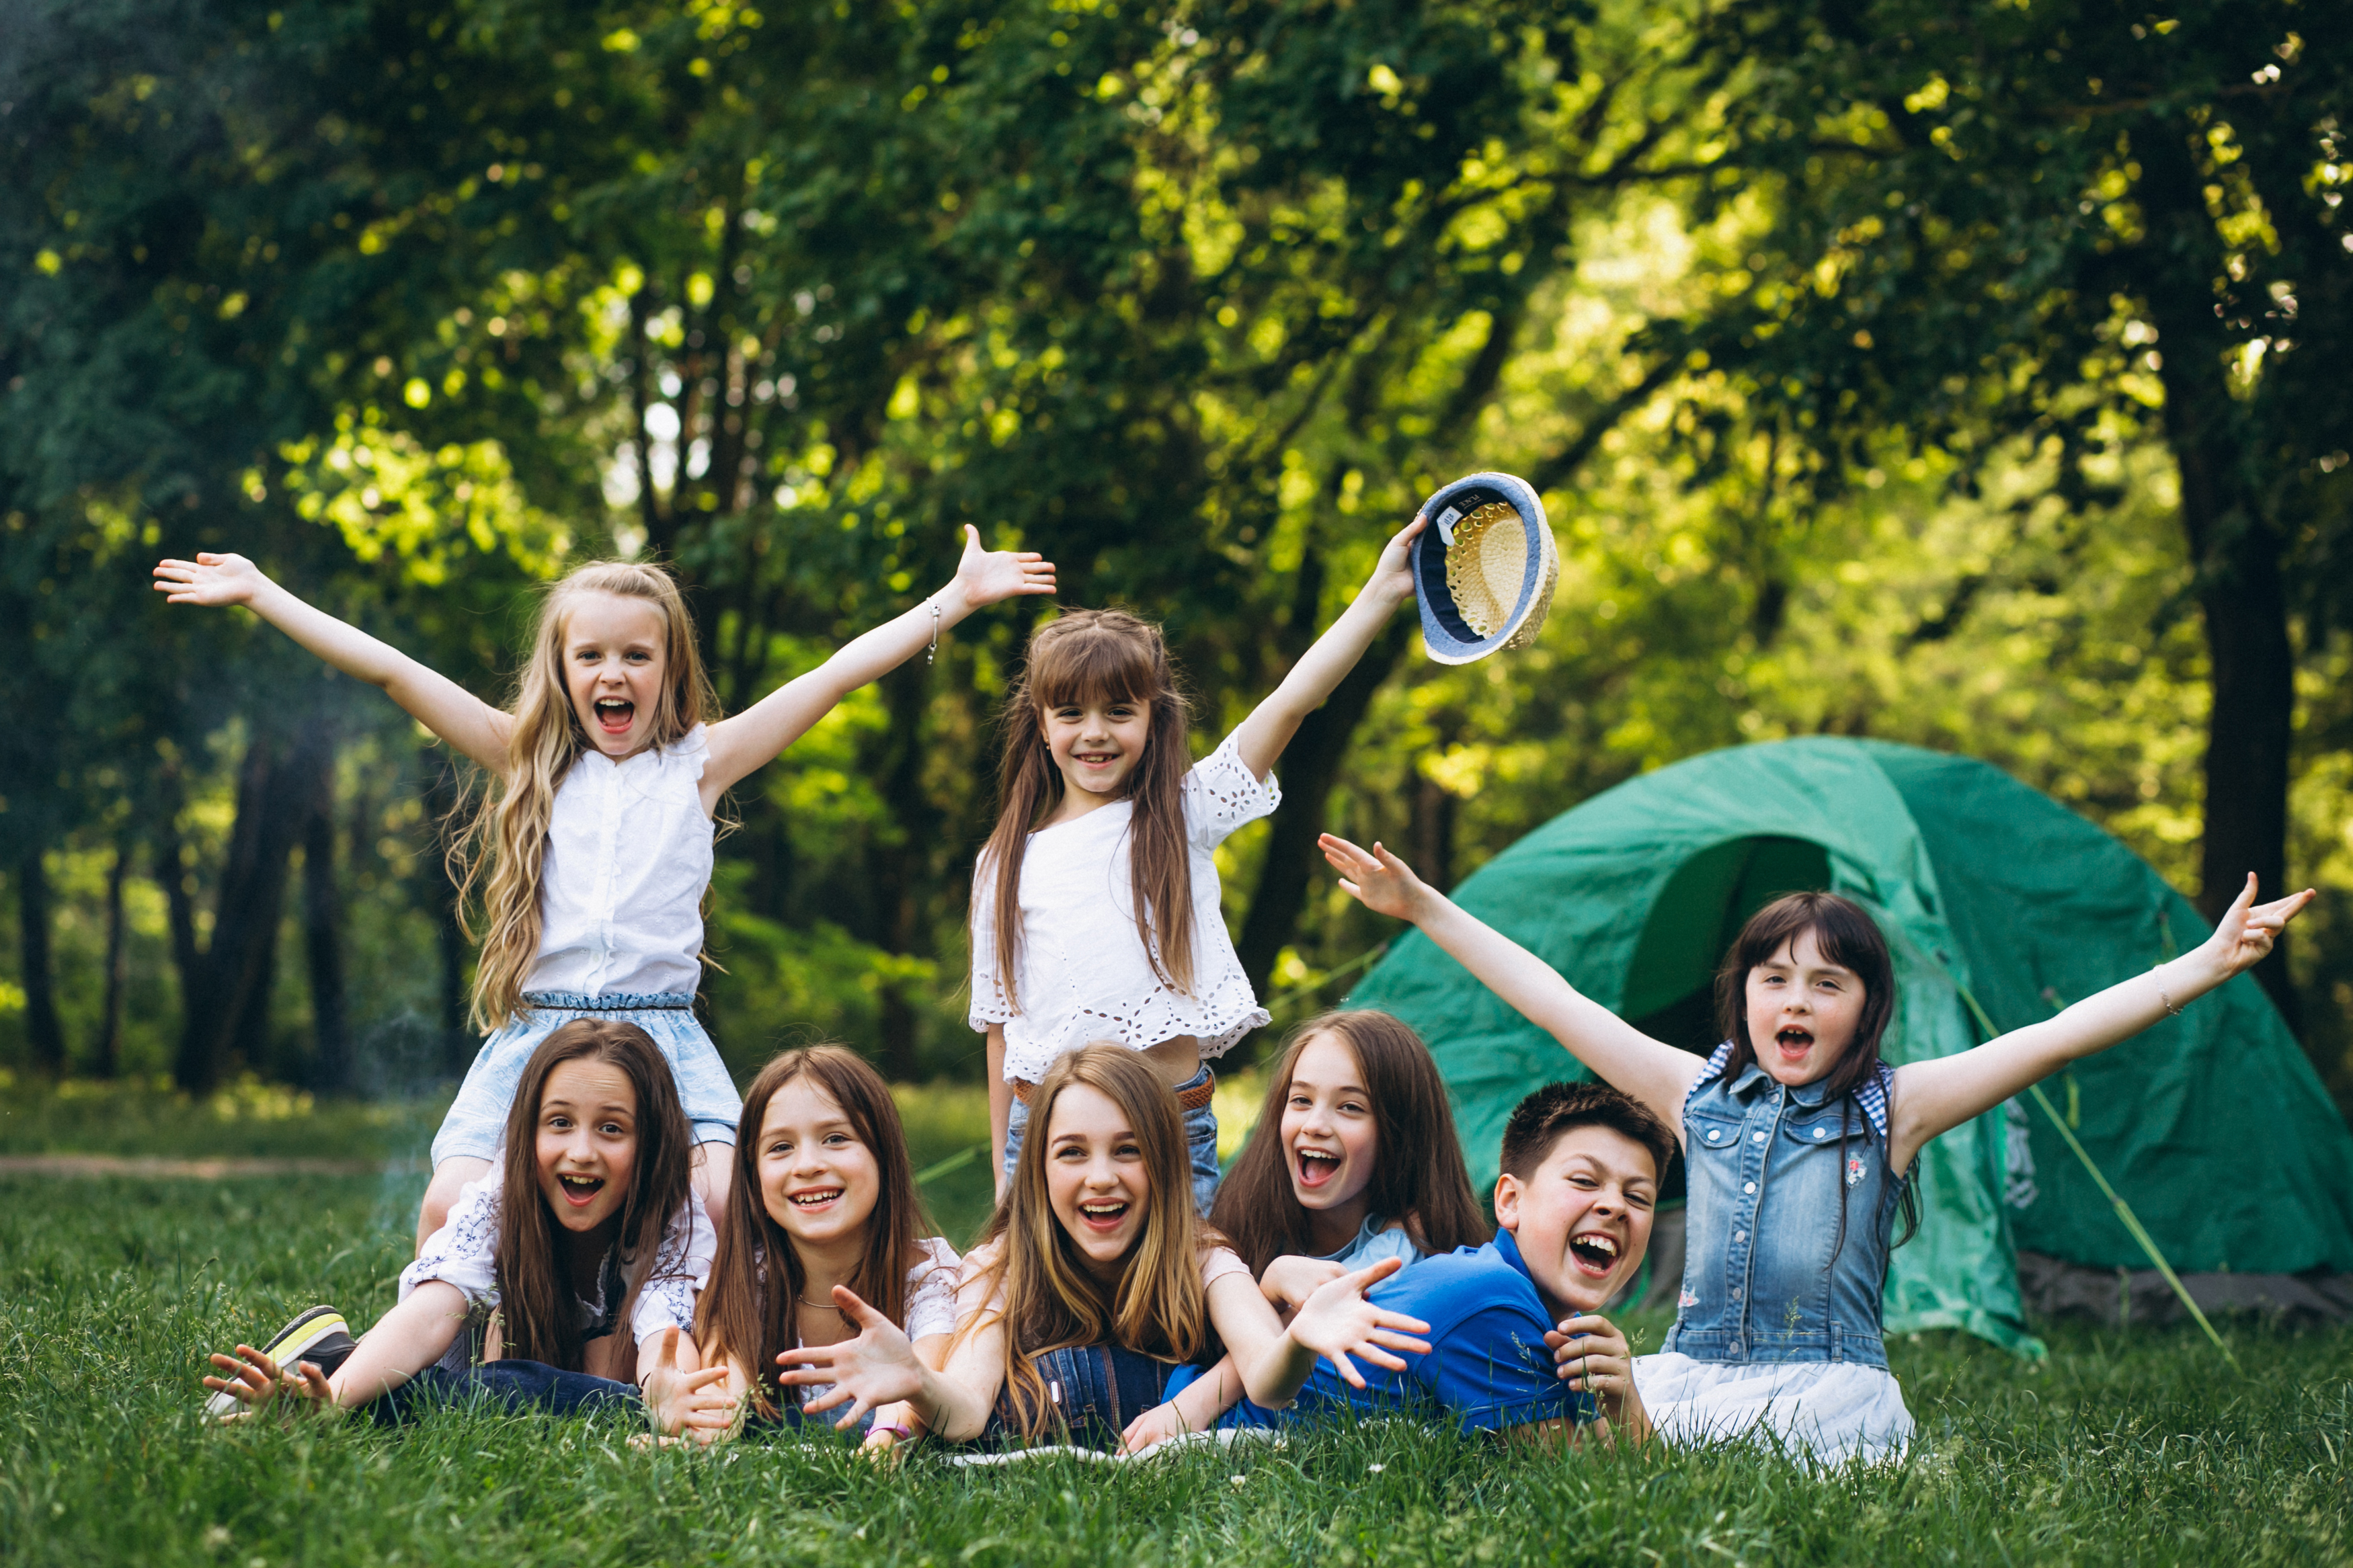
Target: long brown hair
[[503, 850], [1418, 1170], [1158, 1306], [535, 1295], [747, 1310], [1087, 657]]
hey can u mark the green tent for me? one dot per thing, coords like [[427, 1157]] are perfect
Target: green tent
[[2212, 1126]]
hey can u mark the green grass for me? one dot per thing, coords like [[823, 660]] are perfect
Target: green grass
[[2121, 1448]]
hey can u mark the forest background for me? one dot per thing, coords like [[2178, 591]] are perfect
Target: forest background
[[1971, 376]]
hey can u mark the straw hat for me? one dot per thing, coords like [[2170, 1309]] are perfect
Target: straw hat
[[1483, 570]]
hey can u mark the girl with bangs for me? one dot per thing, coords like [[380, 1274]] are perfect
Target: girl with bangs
[[824, 1199], [561, 1281], [1095, 903], [591, 863], [1094, 1280], [1798, 1143]]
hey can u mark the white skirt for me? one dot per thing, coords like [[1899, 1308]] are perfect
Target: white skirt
[[1829, 1412]]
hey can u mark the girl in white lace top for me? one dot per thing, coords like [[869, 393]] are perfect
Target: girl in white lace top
[[1095, 904], [592, 861]]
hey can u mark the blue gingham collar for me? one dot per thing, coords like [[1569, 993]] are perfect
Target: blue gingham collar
[[1870, 1095]]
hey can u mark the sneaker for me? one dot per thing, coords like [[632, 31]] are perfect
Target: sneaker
[[318, 1335]]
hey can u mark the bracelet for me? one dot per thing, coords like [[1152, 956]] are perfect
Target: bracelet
[[935, 652], [2161, 995], [898, 1434]]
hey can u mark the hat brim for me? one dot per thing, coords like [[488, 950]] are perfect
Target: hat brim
[[1445, 633]]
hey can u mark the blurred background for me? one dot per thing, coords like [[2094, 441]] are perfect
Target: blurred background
[[1971, 376]]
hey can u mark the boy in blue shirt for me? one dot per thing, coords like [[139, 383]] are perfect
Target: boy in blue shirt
[[1517, 1341]]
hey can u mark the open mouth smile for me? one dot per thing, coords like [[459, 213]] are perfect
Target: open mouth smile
[[1595, 1253], [814, 1199], [1103, 1215], [580, 1191], [1794, 1042], [1315, 1167], [616, 714]]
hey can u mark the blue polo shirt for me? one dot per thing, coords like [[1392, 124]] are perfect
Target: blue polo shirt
[[1488, 1369]]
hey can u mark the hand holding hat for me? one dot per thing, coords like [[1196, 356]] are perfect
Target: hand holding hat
[[1484, 570]]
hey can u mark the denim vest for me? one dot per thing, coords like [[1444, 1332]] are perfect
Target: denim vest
[[1777, 1284]]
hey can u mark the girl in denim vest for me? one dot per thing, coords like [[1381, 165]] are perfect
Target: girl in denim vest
[[1799, 1140]]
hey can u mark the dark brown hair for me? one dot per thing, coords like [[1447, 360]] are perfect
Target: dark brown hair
[[1417, 1172], [1541, 1119], [1050, 1298], [1087, 657], [535, 1295], [741, 1315], [1848, 937]]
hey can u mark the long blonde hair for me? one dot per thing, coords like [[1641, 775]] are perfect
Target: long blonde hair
[[1158, 1306], [1098, 656], [503, 848]]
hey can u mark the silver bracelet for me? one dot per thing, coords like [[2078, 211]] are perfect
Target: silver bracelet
[[2161, 995], [935, 652]]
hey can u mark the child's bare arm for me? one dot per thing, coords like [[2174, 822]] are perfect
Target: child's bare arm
[[1650, 1070], [472, 726], [753, 738], [1933, 1096], [1259, 739], [1195, 1408]]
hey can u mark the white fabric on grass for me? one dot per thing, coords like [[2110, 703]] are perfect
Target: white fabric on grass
[[1827, 1411]]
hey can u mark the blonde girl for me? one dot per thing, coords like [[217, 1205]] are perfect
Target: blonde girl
[[1095, 903], [824, 1195], [1095, 1279], [592, 860]]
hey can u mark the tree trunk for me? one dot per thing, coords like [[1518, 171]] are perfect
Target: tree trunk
[[106, 1058], [1434, 833], [322, 936], [897, 865], [443, 796], [41, 1027], [1309, 766]]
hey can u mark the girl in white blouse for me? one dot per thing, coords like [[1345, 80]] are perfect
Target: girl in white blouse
[[824, 1195], [593, 860], [1095, 903]]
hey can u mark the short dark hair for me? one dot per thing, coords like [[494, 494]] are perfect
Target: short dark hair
[[1541, 1120]]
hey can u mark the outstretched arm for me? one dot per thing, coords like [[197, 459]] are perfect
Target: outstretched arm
[[1336, 1322], [1620, 1055], [1260, 738], [1932, 1096], [882, 1367], [754, 737], [467, 722], [403, 1342]]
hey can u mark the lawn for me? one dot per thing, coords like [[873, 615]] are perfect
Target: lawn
[[2138, 1447]]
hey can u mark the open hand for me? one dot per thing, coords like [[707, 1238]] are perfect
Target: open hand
[[1381, 881], [1335, 1321], [209, 579], [253, 1380], [877, 1367], [1391, 583], [989, 575], [690, 1403], [2244, 935]]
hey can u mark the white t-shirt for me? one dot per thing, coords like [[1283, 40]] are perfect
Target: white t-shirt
[[464, 1253], [1084, 974], [628, 856]]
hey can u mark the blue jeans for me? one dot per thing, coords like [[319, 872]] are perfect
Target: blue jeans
[[1200, 1141], [514, 1386], [1093, 1391]]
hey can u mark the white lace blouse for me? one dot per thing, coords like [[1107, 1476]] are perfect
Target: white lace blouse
[[1083, 973], [628, 856], [464, 1252]]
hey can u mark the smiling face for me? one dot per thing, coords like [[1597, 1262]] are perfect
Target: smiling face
[[613, 668], [1328, 1138], [818, 1177], [1582, 1218], [1097, 744], [1802, 1011], [586, 1143], [1096, 1183]]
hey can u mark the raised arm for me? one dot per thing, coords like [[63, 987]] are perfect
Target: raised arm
[[753, 738], [472, 726], [1932, 1096], [1617, 1053], [1259, 739]]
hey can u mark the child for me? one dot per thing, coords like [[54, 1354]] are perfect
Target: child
[[525, 1297], [1095, 902], [1092, 1279], [1799, 1140], [824, 1195], [1355, 1160], [593, 860]]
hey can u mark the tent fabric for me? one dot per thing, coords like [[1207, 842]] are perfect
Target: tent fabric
[[1979, 882]]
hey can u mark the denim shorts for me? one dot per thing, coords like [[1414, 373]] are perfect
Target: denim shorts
[[1200, 1141], [477, 1122]]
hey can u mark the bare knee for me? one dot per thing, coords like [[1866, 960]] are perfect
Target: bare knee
[[441, 1193]]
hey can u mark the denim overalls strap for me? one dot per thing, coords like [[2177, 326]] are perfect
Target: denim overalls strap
[[1791, 1213]]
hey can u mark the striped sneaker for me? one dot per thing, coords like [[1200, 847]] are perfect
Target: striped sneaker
[[318, 1335]]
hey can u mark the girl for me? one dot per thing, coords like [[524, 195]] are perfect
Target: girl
[[590, 1225], [1355, 1160], [594, 860], [1095, 903], [1092, 1279], [1799, 1140], [824, 1195]]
